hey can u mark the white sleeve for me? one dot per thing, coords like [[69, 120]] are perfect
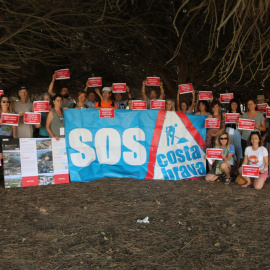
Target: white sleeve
[[264, 151]]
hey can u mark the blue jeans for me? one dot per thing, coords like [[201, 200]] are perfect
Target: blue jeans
[[235, 139]]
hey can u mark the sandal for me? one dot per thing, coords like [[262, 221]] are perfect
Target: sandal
[[227, 180]]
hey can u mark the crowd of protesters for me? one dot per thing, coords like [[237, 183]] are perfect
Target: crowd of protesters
[[238, 147]]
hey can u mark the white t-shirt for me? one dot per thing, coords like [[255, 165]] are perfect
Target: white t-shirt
[[256, 157]]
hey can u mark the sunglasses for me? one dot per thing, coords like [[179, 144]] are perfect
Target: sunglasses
[[5, 101], [224, 138]]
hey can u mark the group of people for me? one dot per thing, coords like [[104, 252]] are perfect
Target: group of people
[[239, 147]]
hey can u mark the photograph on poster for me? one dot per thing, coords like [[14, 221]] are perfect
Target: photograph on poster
[[46, 179], [12, 163], [11, 144], [13, 181], [44, 144], [45, 161]]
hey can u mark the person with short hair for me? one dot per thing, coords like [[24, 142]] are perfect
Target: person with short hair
[[118, 99], [81, 100], [227, 164], [256, 154], [183, 105], [153, 94], [67, 101], [6, 131], [106, 102], [202, 108], [20, 107], [55, 120]]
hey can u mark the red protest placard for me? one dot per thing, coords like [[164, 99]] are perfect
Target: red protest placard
[[28, 181], [1, 92], [231, 117], [262, 107], [268, 112], [213, 153], [157, 104], [205, 95], [185, 88], [119, 87], [246, 124], [106, 113], [61, 178], [250, 171], [139, 105], [32, 118], [212, 123], [94, 82], [226, 98], [62, 74], [41, 106], [152, 81], [10, 119]]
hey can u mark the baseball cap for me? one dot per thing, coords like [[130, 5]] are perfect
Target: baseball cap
[[108, 89], [21, 88]]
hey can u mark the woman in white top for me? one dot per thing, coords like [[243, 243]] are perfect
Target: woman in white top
[[256, 154]]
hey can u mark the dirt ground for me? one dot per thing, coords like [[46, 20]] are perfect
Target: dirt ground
[[193, 225]]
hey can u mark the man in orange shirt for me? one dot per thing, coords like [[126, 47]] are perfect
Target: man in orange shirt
[[106, 102]]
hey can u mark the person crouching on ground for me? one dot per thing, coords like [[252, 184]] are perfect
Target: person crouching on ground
[[256, 154], [227, 164]]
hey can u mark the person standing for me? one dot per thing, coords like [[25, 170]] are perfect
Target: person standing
[[20, 107], [55, 120], [106, 101]]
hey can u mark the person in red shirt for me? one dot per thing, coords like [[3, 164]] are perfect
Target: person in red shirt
[[106, 102]]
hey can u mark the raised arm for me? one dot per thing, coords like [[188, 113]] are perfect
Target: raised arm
[[50, 89], [162, 94], [144, 97], [86, 86], [178, 101], [191, 108], [128, 91], [98, 93]]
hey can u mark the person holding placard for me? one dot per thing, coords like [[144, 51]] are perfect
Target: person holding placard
[[55, 123], [67, 101], [43, 133], [203, 108], [183, 105], [252, 114], [227, 164], [20, 107], [106, 101], [212, 133], [121, 104], [6, 131], [153, 94], [234, 133], [256, 154], [169, 105]]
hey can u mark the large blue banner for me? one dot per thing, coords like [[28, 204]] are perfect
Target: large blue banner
[[148, 144]]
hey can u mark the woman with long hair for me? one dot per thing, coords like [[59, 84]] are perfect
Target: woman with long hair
[[234, 133], [55, 120], [227, 164], [6, 131], [203, 108], [169, 105], [256, 154], [183, 105], [252, 114], [212, 133]]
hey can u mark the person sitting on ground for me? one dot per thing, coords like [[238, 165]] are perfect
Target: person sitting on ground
[[256, 154], [227, 164], [153, 94], [169, 105], [121, 104], [67, 101], [106, 102], [183, 105], [20, 107]]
